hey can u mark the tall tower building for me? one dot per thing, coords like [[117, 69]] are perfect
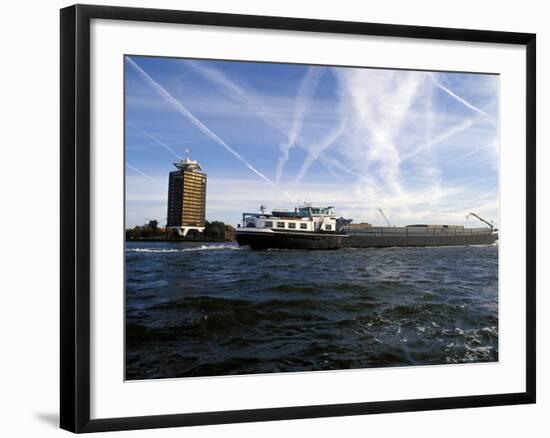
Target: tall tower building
[[186, 197]]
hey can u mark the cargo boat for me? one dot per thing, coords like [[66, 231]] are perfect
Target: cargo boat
[[310, 227]]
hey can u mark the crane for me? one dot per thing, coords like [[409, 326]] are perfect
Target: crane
[[384, 216], [482, 220]]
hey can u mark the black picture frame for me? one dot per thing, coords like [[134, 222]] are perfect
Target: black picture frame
[[75, 217]]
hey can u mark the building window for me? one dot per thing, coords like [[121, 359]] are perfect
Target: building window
[[303, 226], [268, 224], [291, 225], [280, 224], [328, 227]]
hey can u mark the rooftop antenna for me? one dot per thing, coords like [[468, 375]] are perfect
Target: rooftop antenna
[[187, 163]]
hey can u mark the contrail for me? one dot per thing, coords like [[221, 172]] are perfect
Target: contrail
[[135, 169], [444, 136], [201, 126], [319, 148], [156, 140], [236, 92], [475, 162], [303, 99], [377, 103], [490, 145], [460, 99]]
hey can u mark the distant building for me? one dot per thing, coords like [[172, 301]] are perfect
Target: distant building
[[360, 226], [229, 232], [186, 198]]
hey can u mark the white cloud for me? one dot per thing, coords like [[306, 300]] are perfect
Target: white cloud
[[397, 132], [401, 137]]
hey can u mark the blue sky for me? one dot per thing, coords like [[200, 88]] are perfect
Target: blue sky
[[422, 146]]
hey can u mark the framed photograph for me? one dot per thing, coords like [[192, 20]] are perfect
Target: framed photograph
[[268, 218]]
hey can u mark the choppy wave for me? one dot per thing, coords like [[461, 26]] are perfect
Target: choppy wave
[[244, 312]]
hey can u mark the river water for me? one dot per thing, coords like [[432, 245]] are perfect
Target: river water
[[217, 309]]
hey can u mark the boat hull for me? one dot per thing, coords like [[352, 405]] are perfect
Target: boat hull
[[365, 240], [261, 240]]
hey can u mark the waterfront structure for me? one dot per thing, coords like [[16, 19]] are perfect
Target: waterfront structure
[[186, 198]]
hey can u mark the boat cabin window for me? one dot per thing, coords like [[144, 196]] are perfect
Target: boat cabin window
[[328, 227], [280, 224], [306, 211], [291, 225], [268, 224], [303, 226]]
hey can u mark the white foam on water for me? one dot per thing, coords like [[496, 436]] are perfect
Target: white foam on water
[[177, 250]]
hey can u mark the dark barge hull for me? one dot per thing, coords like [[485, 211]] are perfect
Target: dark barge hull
[[377, 241], [296, 240], [282, 240]]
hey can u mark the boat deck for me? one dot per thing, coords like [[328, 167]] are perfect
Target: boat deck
[[417, 236]]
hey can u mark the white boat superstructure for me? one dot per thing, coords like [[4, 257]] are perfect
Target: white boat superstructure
[[305, 219], [306, 227]]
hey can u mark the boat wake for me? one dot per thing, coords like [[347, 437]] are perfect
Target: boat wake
[[179, 250]]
